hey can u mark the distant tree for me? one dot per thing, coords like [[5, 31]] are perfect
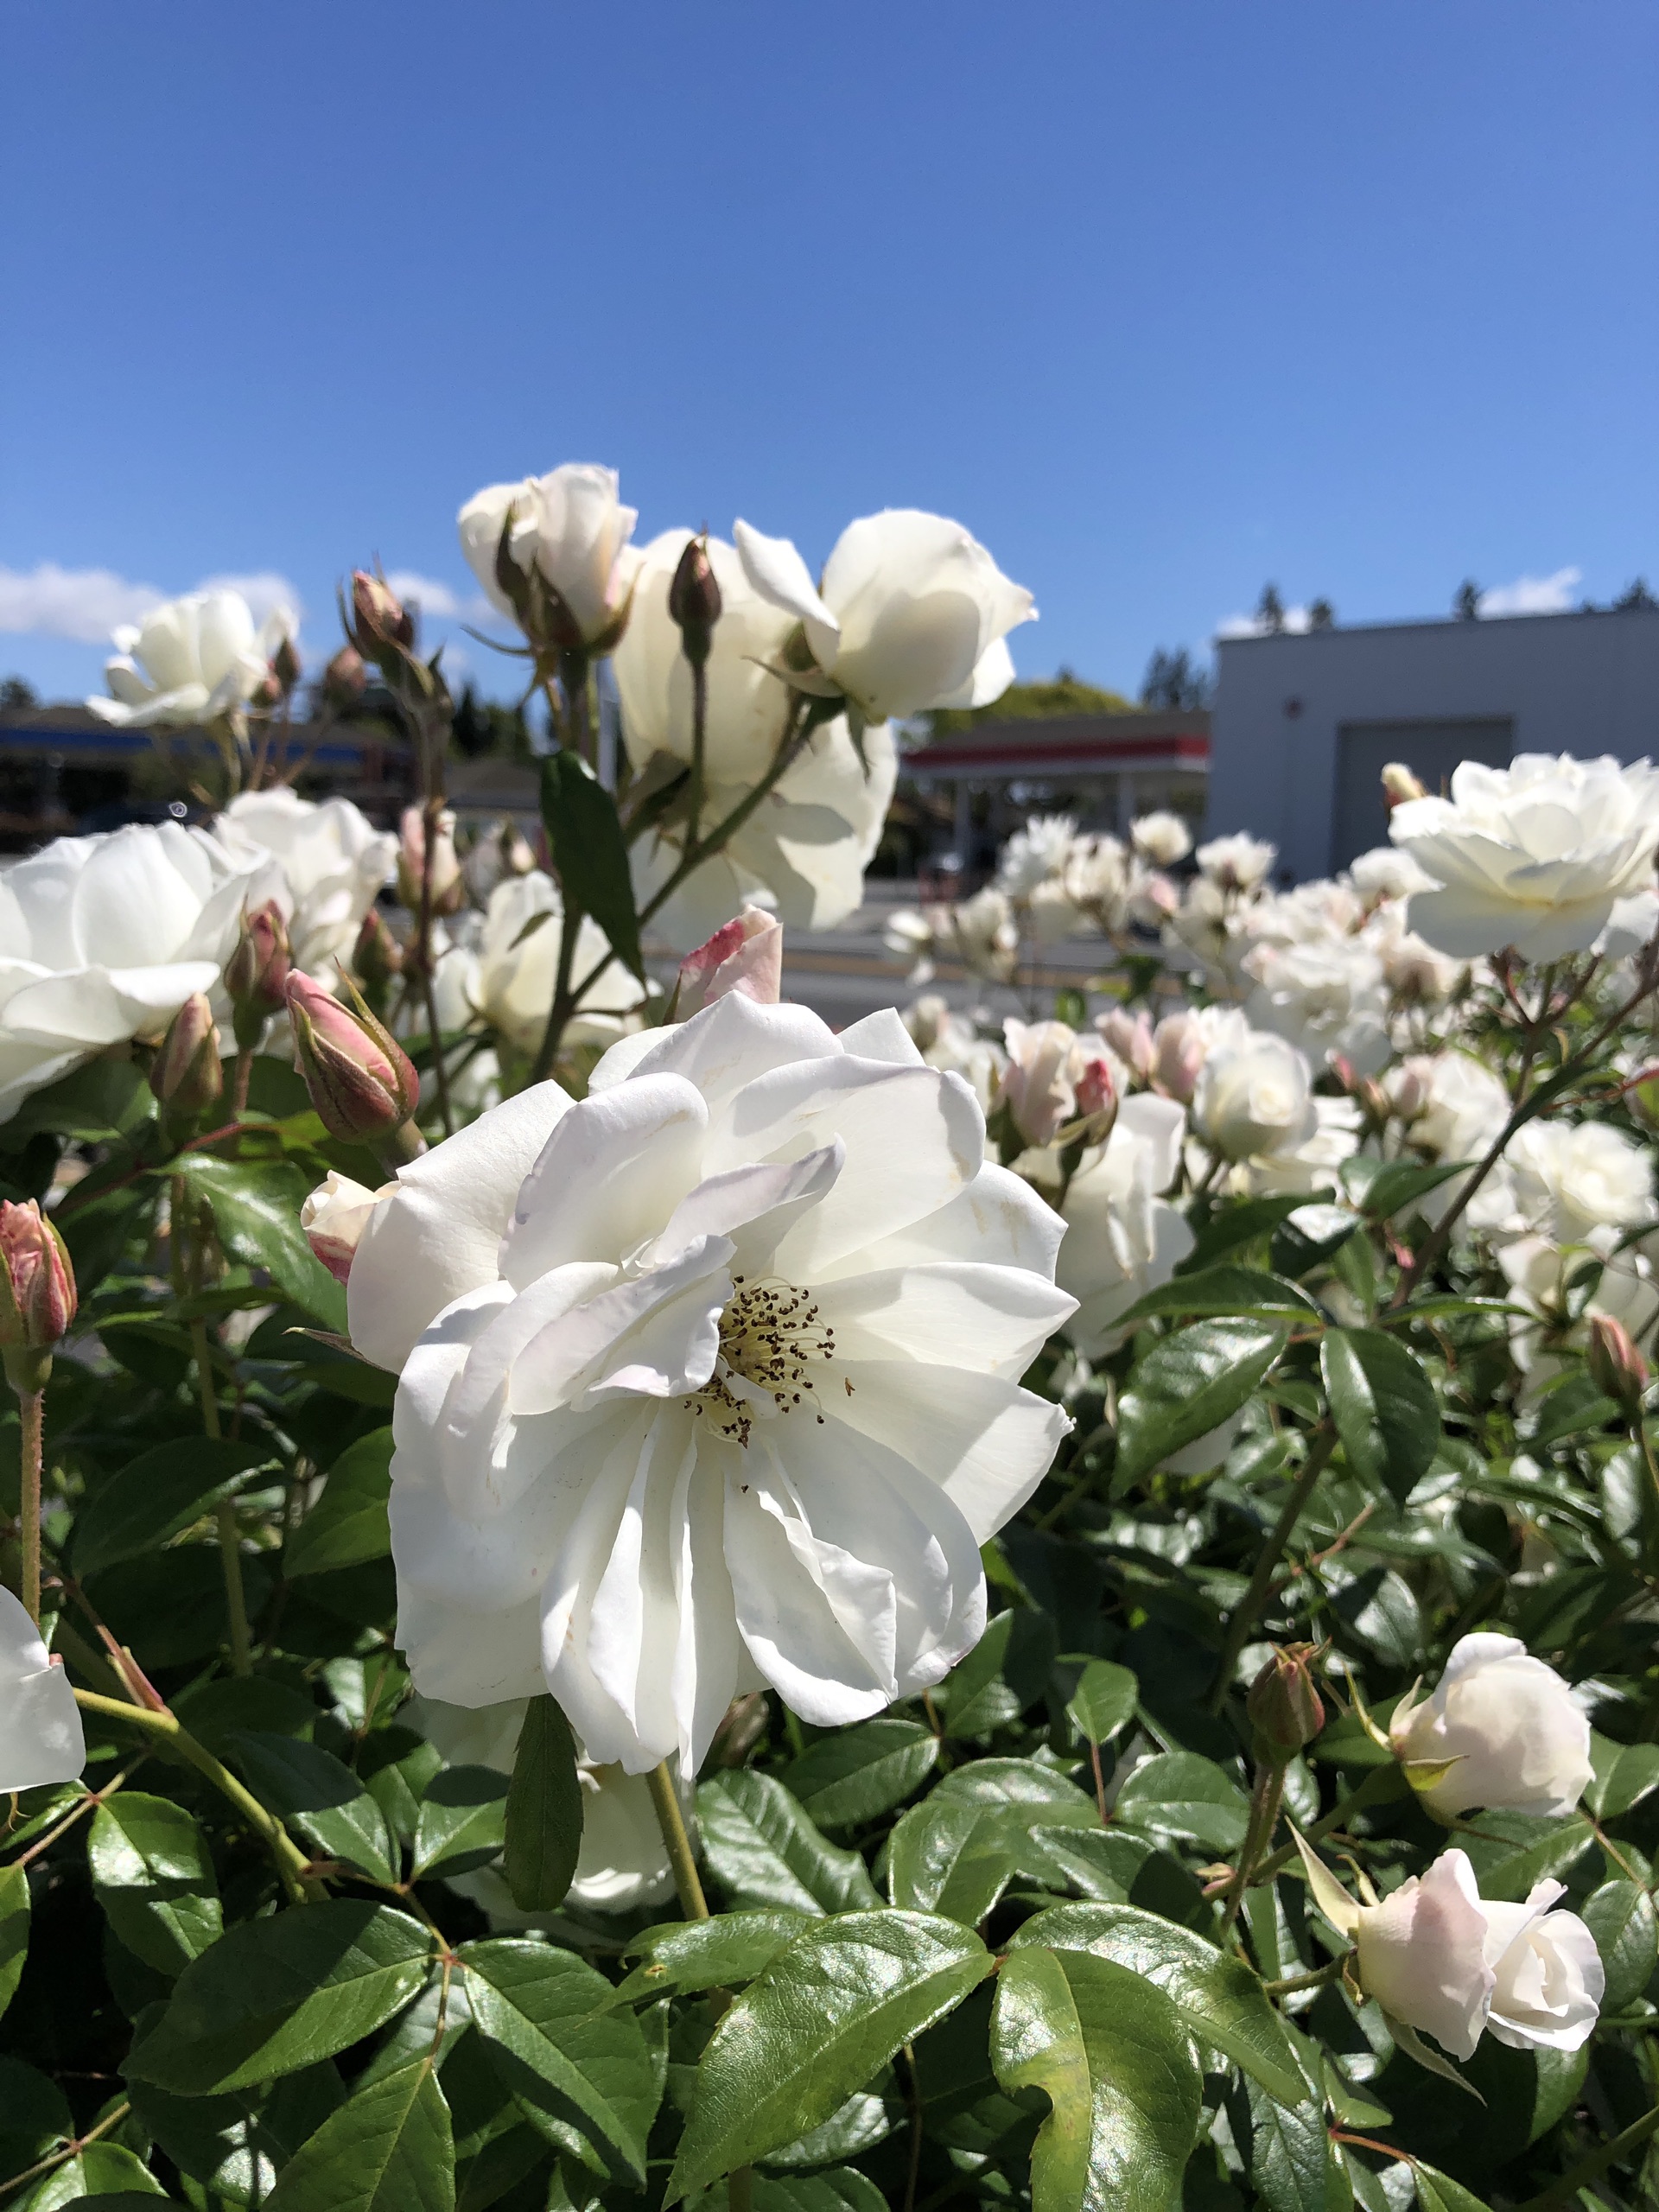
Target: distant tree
[[1321, 615], [473, 732], [1467, 605], [17, 696], [1270, 611], [1175, 682], [1633, 596], [1064, 694], [485, 726]]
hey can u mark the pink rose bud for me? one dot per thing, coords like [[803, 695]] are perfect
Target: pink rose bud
[[382, 618], [256, 973], [37, 1283], [345, 680], [694, 600], [744, 955], [359, 1078], [186, 1074], [334, 1217], [1129, 1036], [1283, 1705], [1096, 1101], [377, 956], [1616, 1368], [448, 888]]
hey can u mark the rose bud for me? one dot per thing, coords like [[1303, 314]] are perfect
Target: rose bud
[[1095, 1094], [1616, 1368], [186, 1074], [1129, 1036], [744, 955], [37, 1294], [694, 600], [256, 975], [334, 1217], [448, 887], [345, 680], [285, 666], [376, 957], [382, 618], [1399, 784], [361, 1080], [1285, 1708]]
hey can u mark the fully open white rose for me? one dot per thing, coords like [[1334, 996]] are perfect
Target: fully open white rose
[[1161, 837], [1121, 1239], [1325, 998], [910, 613], [103, 938], [802, 851], [1436, 1955], [1571, 1179], [513, 984], [1254, 1093], [708, 1380], [1510, 1723], [623, 1861], [334, 862], [189, 661], [41, 1737], [1238, 862], [1534, 855], [572, 526]]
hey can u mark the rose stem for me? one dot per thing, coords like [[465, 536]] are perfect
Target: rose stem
[[30, 1408], [665, 1804], [1321, 1445]]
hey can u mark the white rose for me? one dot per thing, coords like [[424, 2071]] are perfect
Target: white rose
[[1574, 1178], [1412, 969], [623, 1861], [572, 526], [910, 613], [1510, 1723], [334, 862], [1386, 873], [103, 938], [1532, 856], [190, 661], [1129, 1037], [1162, 838], [513, 980], [804, 850], [41, 1737], [957, 1047], [1036, 852], [1039, 1087], [334, 1217], [749, 706], [1438, 1957], [1325, 999], [1463, 1107], [1238, 862], [708, 1380], [1311, 1163], [1121, 1239], [1254, 1093]]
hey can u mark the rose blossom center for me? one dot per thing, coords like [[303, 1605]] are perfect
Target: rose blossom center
[[772, 1344]]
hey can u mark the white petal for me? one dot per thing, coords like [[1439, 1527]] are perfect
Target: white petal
[[998, 1218], [985, 1443], [953, 1313], [881, 1036], [612, 1171], [779, 573]]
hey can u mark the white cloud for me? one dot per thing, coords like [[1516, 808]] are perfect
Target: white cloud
[[436, 600], [1296, 619], [85, 604], [264, 589], [1534, 595]]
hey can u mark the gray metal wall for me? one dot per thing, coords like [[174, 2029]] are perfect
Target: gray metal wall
[[1583, 684]]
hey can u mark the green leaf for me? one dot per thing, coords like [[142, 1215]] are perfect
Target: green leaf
[[462, 1822], [575, 2062], [387, 2148], [950, 1859], [1245, 1221], [153, 1874], [103, 1098], [1111, 2055], [1402, 1182], [1568, 1409], [106, 2171], [256, 1208], [825, 2015], [1511, 1851], [14, 1929], [837, 2189], [766, 1851], [1218, 1997], [320, 1795], [544, 1812], [1438, 2192], [1186, 1385], [1117, 1866], [1103, 1701], [1179, 1794], [160, 1493], [1027, 1799], [1620, 1915], [1624, 1775], [274, 1995], [1383, 1407], [1294, 2164], [1306, 1238], [1006, 1672], [1224, 1290], [348, 1524], [854, 1775], [721, 1953], [589, 852]]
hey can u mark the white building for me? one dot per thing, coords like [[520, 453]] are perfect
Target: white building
[[1302, 724]]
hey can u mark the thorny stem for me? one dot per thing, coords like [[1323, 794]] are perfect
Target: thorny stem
[[31, 1413], [291, 1862], [230, 1540], [1243, 1619], [665, 1804], [430, 816], [69, 2151], [240, 1082], [1265, 1799]]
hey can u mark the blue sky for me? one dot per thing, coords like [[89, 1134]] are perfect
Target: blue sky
[[1161, 301]]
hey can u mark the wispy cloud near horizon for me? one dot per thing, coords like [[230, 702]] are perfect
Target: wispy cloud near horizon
[[86, 605]]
